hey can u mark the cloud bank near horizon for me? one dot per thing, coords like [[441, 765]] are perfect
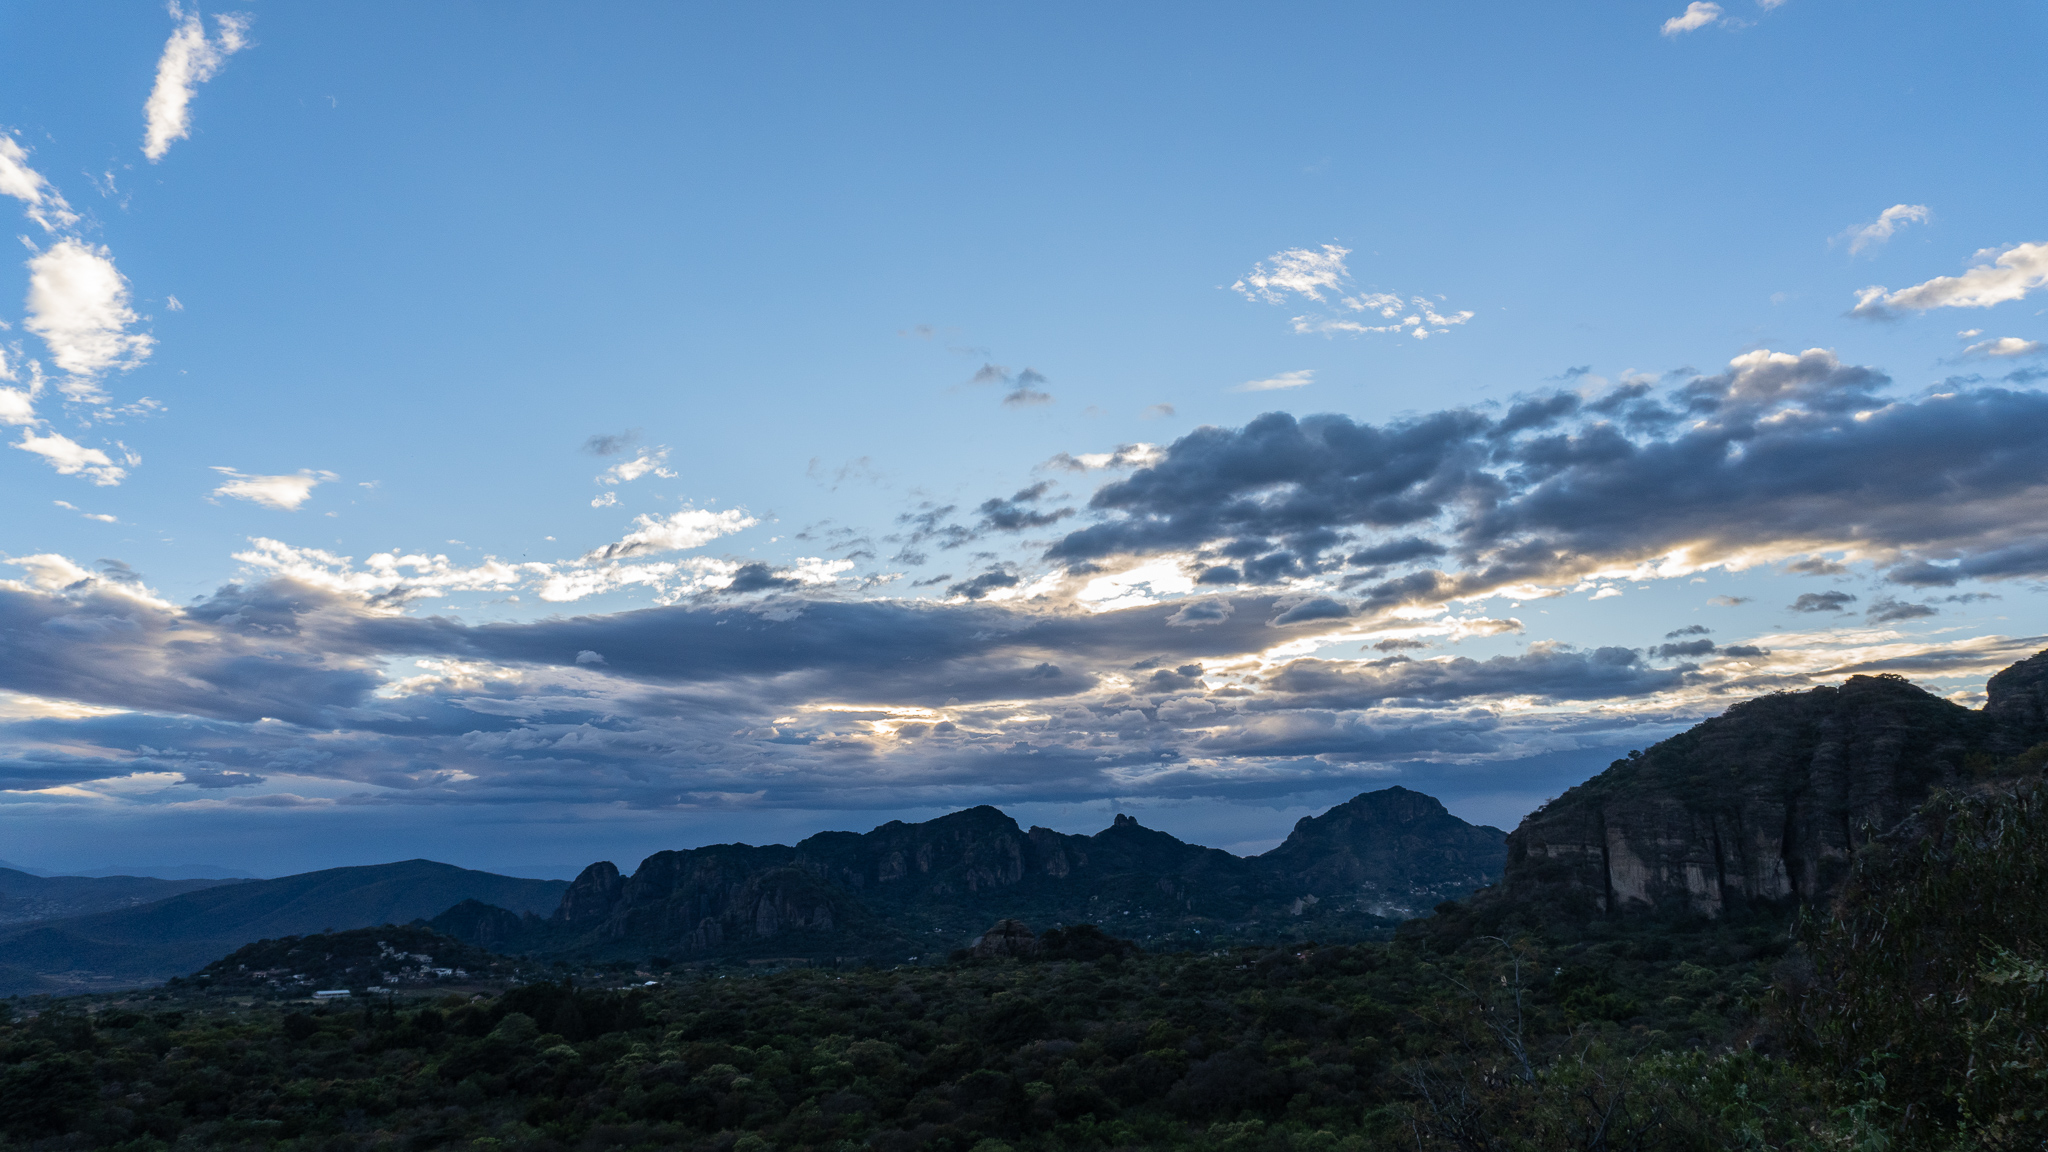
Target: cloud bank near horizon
[[1247, 613]]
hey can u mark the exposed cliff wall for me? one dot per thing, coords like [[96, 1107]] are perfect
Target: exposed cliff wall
[[930, 885], [1763, 803]]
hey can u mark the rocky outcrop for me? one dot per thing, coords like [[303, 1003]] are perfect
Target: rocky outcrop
[[591, 896], [1767, 802], [2017, 705], [1397, 849], [929, 885]]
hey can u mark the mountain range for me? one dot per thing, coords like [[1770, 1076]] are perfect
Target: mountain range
[[177, 934], [911, 889], [1757, 809], [898, 891]]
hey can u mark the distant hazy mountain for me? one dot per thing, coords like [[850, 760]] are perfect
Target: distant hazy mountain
[[183, 932], [912, 889], [25, 897]]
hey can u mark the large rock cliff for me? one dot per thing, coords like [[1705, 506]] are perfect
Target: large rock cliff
[[1765, 803], [929, 886]]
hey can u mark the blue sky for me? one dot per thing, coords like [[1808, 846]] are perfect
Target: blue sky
[[978, 369]]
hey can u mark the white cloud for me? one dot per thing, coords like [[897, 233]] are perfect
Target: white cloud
[[1140, 455], [189, 60], [174, 304], [17, 406], [1282, 380], [78, 304], [2005, 346], [604, 499], [282, 492], [1767, 5], [71, 458], [628, 471], [1309, 274], [27, 185], [689, 528], [2010, 275], [1298, 270], [1697, 14], [1422, 322], [1888, 222]]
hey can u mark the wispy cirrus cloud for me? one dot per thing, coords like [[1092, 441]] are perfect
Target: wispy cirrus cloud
[[17, 179], [1887, 224], [189, 60], [2002, 275], [1297, 379], [1321, 276], [70, 458], [284, 493]]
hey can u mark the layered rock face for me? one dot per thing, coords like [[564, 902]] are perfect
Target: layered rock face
[[927, 886], [1766, 802]]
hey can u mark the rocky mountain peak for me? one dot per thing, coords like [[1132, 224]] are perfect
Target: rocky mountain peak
[[1766, 802]]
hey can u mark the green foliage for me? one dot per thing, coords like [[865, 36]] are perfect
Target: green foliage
[[1927, 999]]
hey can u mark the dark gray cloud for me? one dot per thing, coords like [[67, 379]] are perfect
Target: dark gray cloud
[[1794, 452], [1888, 610], [611, 443], [1684, 649], [1688, 630], [1015, 514], [1548, 674], [1822, 602], [788, 702]]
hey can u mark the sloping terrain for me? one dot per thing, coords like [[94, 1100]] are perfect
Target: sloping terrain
[[181, 933], [25, 898]]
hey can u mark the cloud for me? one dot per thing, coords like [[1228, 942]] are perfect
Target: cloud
[[285, 493], [987, 582], [610, 444], [17, 406], [1026, 391], [25, 184], [1779, 457], [1014, 514], [1888, 222], [626, 471], [1024, 386], [1297, 379], [1697, 15], [1195, 613], [78, 304], [189, 60], [2009, 275], [1821, 602], [71, 458], [2005, 347], [1888, 610], [1297, 271], [689, 528], [1123, 456], [1308, 274]]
